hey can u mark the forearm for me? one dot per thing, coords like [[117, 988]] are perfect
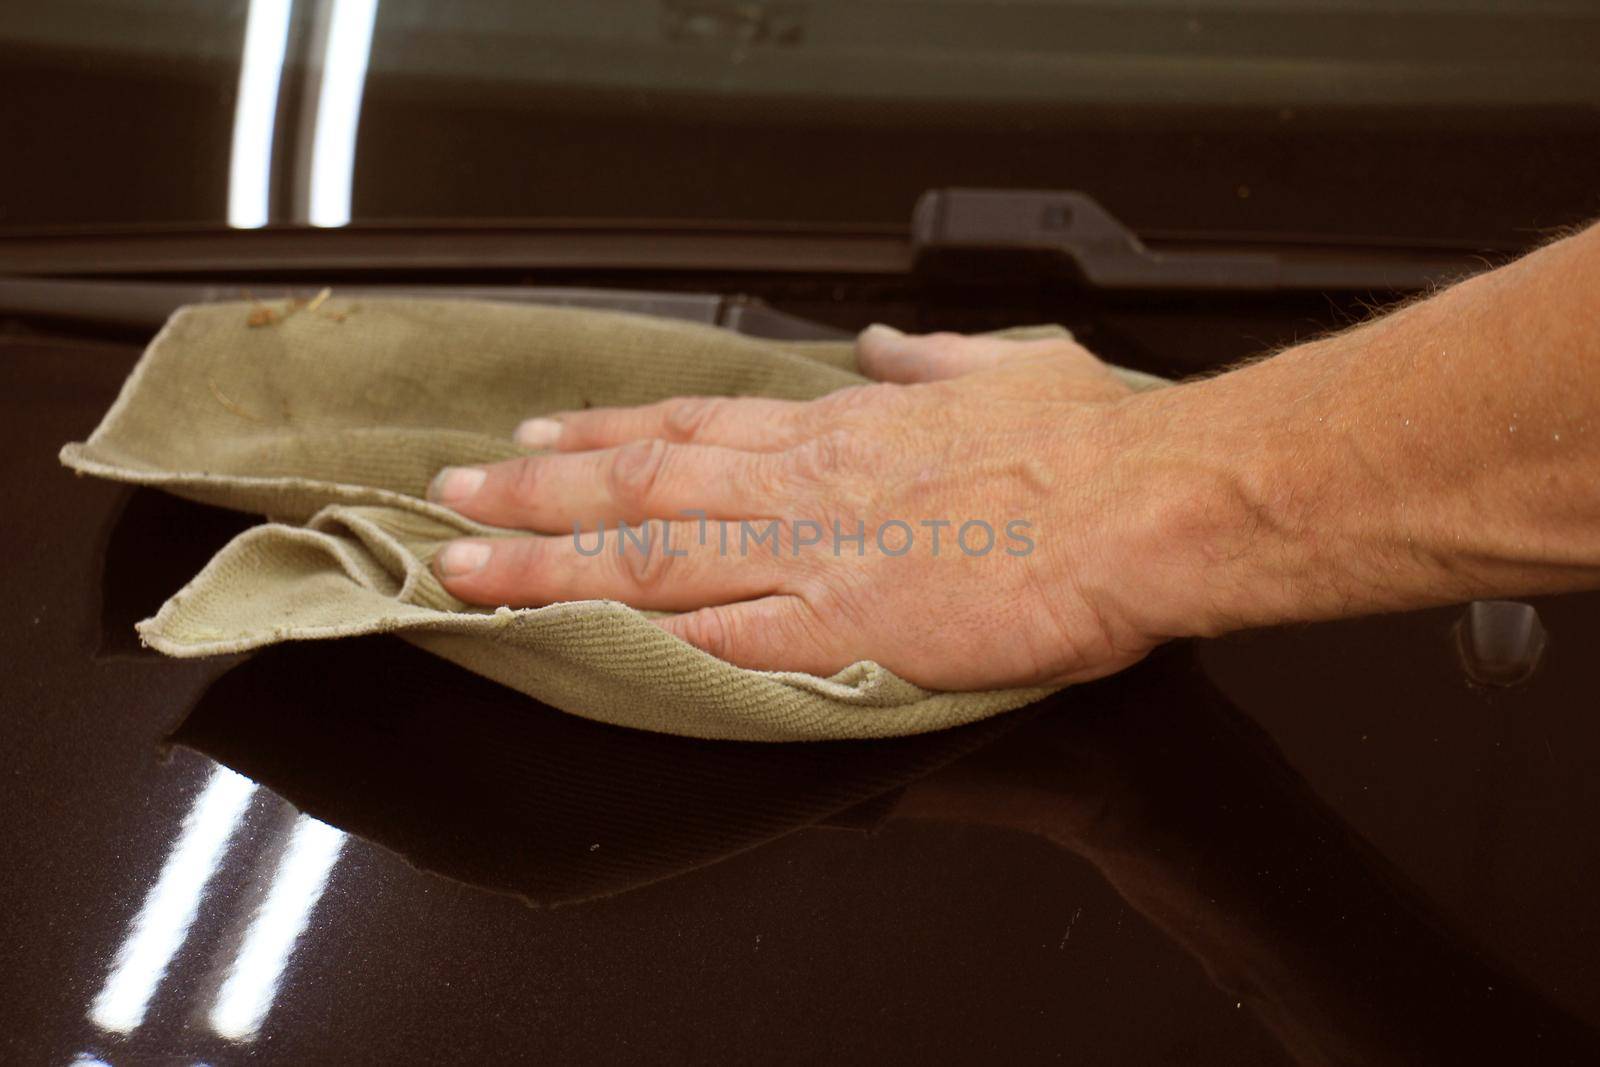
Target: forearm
[[1444, 452]]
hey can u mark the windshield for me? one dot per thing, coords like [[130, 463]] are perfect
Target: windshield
[[1361, 117]]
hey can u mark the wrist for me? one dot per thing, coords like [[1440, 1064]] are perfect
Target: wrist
[[1244, 502], [1433, 455]]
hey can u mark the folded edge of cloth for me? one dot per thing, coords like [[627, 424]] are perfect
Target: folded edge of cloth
[[314, 431]]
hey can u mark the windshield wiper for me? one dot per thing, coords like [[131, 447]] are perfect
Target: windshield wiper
[[146, 305], [958, 233]]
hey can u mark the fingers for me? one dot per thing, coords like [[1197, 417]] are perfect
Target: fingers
[[638, 481], [749, 423], [663, 567], [749, 623], [775, 633]]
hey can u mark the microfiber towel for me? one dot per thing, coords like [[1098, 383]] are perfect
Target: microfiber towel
[[331, 420]]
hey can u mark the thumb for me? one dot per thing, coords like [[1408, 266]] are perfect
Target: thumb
[[1074, 373], [885, 354]]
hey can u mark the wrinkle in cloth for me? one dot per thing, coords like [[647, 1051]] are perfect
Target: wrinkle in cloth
[[332, 421]]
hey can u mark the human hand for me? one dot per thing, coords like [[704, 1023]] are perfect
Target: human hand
[[1026, 437]]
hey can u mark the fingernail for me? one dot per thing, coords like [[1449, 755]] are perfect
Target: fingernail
[[538, 433], [455, 484], [460, 558], [882, 334]]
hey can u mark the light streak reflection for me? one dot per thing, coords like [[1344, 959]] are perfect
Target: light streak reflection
[[266, 38], [247, 993], [158, 931], [338, 116]]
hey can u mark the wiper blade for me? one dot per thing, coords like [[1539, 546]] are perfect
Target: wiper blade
[[146, 305], [564, 245]]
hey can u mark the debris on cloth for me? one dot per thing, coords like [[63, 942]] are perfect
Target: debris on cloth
[[262, 314]]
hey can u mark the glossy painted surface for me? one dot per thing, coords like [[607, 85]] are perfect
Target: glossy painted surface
[[1320, 844], [1322, 841]]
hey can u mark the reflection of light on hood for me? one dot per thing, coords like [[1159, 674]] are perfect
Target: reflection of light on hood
[[266, 36], [169, 908], [247, 993], [344, 75]]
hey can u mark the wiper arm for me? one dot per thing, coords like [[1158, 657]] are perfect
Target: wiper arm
[[952, 228]]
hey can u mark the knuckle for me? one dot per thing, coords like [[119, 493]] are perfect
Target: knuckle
[[801, 629], [634, 472], [814, 585], [821, 459], [647, 567], [710, 629], [526, 480], [828, 592], [688, 418]]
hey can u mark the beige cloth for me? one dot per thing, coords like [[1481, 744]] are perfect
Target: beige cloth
[[331, 422]]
